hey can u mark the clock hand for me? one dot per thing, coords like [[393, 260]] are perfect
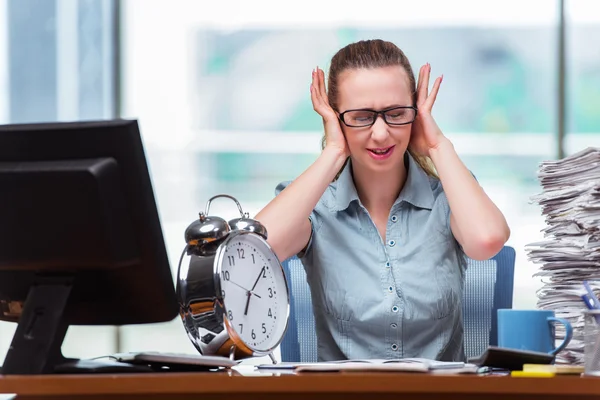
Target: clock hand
[[249, 294], [257, 279], [246, 290], [240, 286], [251, 291], [247, 303]]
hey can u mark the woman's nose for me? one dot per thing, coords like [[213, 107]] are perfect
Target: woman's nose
[[379, 130]]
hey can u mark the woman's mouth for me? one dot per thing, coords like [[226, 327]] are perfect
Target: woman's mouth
[[381, 153]]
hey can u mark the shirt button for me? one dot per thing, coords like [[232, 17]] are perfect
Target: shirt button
[[395, 309], [394, 326], [387, 264], [394, 218], [390, 289], [392, 243], [394, 346]]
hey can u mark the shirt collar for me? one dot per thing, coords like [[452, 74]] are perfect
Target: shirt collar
[[417, 188], [346, 191], [416, 191]]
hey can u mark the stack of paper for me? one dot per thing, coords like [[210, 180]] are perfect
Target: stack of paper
[[570, 251], [393, 365]]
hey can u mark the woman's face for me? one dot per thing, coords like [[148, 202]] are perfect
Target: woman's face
[[379, 147]]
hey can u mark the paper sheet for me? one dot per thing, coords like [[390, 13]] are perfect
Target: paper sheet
[[397, 365]]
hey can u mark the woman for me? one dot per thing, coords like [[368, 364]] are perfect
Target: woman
[[383, 218]]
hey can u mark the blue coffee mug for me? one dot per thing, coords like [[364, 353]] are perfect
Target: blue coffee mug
[[531, 330]]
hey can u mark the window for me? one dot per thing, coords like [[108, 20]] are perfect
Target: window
[[582, 75], [221, 92], [56, 64]]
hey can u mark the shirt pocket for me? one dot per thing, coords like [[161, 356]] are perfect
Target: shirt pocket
[[358, 310], [448, 296], [436, 285], [446, 301], [339, 305]]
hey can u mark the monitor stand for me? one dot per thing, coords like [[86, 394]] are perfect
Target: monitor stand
[[36, 344]]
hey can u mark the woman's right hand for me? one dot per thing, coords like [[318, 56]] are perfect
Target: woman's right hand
[[334, 136]]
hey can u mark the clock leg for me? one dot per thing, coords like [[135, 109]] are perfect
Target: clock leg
[[272, 357]]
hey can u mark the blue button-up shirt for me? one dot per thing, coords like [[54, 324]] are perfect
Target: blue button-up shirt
[[401, 298]]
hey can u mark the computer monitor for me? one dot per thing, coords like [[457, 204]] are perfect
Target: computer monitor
[[80, 236]]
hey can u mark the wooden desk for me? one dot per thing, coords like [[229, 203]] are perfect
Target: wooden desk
[[347, 386]]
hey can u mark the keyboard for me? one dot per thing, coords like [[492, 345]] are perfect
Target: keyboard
[[174, 360]]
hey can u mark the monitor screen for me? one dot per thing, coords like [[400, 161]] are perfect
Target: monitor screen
[[80, 236]]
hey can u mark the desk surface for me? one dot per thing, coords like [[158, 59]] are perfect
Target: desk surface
[[350, 385]]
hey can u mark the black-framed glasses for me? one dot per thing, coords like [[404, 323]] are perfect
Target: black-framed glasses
[[392, 116]]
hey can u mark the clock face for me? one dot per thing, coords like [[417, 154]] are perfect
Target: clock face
[[254, 291]]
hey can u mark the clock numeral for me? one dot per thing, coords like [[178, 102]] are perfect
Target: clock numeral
[[270, 293], [253, 334], [230, 315], [241, 253], [241, 328], [264, 274], [270, 314], [253, 260], [231, 261], [225, 275], [264, 328]]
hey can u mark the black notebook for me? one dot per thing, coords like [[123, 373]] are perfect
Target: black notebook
[[510, 359]]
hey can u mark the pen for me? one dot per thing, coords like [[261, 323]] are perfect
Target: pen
[[590, 300], [593, 299]]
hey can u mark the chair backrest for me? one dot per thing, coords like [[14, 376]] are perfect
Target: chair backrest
[[488, 287]]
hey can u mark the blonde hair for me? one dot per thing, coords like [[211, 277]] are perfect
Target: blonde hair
[[372, 54]]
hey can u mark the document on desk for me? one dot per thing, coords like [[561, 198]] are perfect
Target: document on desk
[[395, 365]]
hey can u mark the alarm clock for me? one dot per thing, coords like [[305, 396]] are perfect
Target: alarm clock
[[231, 287]]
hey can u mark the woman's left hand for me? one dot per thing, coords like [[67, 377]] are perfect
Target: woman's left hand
[[425, 134]]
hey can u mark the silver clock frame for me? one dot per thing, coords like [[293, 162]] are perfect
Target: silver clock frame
[[199, 288]]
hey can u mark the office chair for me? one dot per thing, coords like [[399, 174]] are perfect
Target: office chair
[[488, 287]]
